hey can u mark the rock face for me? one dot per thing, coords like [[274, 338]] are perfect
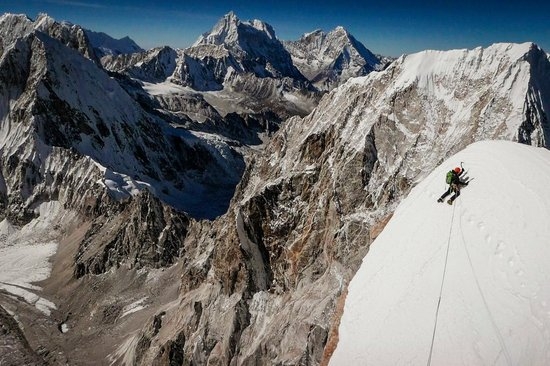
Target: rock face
[[141, 233], [14, 348], [330, 59]]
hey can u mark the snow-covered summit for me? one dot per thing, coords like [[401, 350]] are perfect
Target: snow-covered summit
[[486, 259], [329, 59], [229, 28], [252, 47]]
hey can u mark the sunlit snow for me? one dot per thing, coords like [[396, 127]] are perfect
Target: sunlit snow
[[495, 297], [134, 307], [25, 254]]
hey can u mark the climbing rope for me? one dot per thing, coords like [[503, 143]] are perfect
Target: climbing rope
[[441, 289]]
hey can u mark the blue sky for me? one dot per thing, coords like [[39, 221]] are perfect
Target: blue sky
[[385, 27]]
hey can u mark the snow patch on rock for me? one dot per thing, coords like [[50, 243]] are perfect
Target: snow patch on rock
[[25, 254]]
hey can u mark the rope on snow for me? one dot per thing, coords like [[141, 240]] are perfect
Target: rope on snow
[[441, 289]]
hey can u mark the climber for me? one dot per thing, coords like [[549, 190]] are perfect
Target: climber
[[455, 183]]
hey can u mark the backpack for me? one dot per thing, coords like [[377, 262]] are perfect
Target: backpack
[[449, 177]]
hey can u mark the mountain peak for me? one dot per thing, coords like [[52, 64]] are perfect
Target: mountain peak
[[313, 33], [104, 44], [231, 16], [328, 59], [230, 30], [339, 30], [43, 20], [224, 30], [252, 47], [6, 16]]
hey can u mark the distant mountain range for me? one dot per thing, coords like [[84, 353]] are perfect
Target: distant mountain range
[[234, 47], [104, 45]]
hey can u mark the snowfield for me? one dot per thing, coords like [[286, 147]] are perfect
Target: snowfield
[[25, 253], [466, 284]]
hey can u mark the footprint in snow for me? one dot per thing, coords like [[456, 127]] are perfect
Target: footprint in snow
[[500, 248]]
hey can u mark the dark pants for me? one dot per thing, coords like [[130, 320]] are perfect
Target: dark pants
[[453, 188]]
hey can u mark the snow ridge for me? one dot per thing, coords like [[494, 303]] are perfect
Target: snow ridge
[[495, 302]]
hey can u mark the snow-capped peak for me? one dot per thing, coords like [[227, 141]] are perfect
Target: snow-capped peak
[[224, 30], [340, 29], [251, 46], [230, 30], [44, 21], [313, 33], [329, 59], [465, 284]]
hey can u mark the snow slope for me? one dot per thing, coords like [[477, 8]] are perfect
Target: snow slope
[[495, 298], [25, 254]]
